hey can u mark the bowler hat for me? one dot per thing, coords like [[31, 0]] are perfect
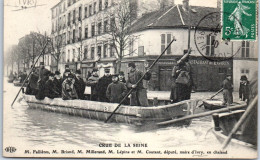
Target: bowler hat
[[131, 64], [70, 75], [243, 78], [121, 73], [51, 74], [57, 72], [94, 70], [41, 63], [66, 66], [78, 72], [67, 70], [114, 75], [107, 70]]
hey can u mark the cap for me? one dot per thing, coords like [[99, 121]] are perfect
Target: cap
[[121, 73], [243, 78], [57, 72], [131, 64], [114, 75], [41, 63], [78, 72], [107, 70]]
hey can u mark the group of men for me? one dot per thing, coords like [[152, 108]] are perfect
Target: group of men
[[109, 88]]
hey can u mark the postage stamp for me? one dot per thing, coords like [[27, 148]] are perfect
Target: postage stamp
[[240, 24]]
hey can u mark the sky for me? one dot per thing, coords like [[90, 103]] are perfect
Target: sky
[[19, 23]]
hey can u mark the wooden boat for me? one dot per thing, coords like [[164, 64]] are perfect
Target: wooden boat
[[125, 114], [224, 123], [212, 104]]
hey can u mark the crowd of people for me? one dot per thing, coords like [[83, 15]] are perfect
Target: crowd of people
[[108, 88]]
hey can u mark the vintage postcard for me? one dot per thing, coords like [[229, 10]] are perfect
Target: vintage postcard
[[130, 79]]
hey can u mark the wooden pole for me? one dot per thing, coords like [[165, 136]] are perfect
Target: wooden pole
[[131, 90], [201, 114], [240, 122], [30, 72]]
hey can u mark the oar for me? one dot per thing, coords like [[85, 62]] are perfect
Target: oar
[[240, 122], [131, 90], [201, 114], [29, 73], [212, 96]]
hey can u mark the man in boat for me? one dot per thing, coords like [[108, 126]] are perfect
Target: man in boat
[[31, 88], [121, 77], [79, 85], [227, 90], [49, 89], [58, 82], [102, 85], [92, 82], [139, 94], [41, 86], [182, 74], [116, 90], [66, 72], [42, 71], [68, 88], [244, 88]]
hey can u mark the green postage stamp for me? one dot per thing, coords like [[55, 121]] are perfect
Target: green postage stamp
[[239, 19]]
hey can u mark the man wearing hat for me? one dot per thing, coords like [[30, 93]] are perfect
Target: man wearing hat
[[66, 72], [42, 71], [244, 88], [57, 82], [68, 88], [116, 90], [92, 82], [41, 86], [49, 89], [79, 85], [227, 90], [139, 94], [102, 85], [121, 77], [31, 88]]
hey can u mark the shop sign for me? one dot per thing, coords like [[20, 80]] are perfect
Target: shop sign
[[206, 62]]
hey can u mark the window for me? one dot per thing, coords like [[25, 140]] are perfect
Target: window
[[93, 30], [79, 33], [92, 52], [164, 44], [99, 50], [94, 7], [69, 19], [68, 56], [210, 49], [100, 5], [105, 51], [112, 23], [131, 47], [73, 55], [245, 72], [90, 10], [106, 3], [86, 52], [80, 13], [73, 35], [140, 50], [99, 28], [245, 49], [222, 70], [74, 16], [112, 50], [68, 3], [68, 37], [86, 12], [79, 54], [86, 32], [105, 26]]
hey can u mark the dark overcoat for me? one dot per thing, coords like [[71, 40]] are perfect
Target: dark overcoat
[[102, 85], [80, 87], [49, 90], [116, 92]]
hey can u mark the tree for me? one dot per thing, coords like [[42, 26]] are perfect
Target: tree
[[121, 20]]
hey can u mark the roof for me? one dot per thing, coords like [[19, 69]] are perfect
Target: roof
[[175, 17]]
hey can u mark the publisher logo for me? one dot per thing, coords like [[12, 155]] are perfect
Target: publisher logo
[[10, 149]]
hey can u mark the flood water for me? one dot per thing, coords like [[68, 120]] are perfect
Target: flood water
[[37, 128]]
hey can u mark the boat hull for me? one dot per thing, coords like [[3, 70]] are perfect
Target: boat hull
[[125, 114], [213, 104]]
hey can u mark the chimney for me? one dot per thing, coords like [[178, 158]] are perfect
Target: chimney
[[185, 4]]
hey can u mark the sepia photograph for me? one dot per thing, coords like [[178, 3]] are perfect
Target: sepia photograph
[[130, 79]]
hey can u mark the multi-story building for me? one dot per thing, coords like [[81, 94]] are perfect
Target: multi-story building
[[85, 26]]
